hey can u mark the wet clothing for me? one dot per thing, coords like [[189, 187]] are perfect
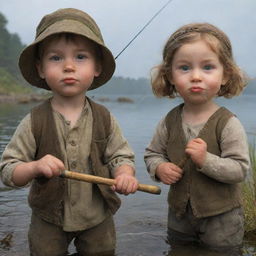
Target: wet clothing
[[226, 165], [222, 232], [98, 240], [80, 205]]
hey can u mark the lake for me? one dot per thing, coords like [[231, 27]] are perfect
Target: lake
[[142, 219]]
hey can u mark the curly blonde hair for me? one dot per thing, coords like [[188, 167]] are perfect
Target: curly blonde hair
[[217, 41]]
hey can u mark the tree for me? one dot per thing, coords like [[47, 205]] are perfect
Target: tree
[[10, 48]]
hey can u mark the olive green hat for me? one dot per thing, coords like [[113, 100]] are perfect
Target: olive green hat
[[66, 20]]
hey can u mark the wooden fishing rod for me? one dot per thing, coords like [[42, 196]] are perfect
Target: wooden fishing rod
[[106, 181]]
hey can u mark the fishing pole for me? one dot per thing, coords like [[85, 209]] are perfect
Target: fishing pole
[[156, 14], [106, 181]]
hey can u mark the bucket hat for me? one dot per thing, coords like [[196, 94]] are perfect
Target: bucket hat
[[67, 20]]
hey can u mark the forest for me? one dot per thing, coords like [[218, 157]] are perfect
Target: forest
[[11, 80]]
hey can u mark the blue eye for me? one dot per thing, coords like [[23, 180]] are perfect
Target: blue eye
[[208, 67], [184, 67]]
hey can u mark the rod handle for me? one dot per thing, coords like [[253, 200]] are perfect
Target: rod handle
[[106, 181]]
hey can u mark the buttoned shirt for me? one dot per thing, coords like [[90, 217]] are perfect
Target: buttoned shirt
[[84, 206]]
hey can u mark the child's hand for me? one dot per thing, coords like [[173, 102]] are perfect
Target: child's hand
[[48, 166], [169, 173], [126, 183], [197, 149]]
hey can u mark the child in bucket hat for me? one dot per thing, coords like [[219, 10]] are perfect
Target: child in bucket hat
[[66, 21], [69, 131]]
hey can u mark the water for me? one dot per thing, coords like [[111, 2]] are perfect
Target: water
[[142, 219]]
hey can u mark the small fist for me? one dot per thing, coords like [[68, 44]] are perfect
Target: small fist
[[197, 149], [169, 173]]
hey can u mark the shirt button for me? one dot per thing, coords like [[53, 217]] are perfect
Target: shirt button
[[73, 164], [72, 143]]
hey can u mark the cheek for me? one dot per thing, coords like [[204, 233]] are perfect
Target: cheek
[[178, 80], [221, 79], [172, 78], [51, 75]]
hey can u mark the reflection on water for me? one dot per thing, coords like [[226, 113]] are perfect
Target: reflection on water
[[142, 219]]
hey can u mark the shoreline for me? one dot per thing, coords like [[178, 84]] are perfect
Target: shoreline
[[21, 98], [33, 97]]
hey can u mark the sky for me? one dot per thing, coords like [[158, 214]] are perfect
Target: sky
[[121, 20]]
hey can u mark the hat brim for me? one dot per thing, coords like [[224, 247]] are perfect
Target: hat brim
[[27, 60]]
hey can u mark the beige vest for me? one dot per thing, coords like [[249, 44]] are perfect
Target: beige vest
[[46, 195], [207, 196]]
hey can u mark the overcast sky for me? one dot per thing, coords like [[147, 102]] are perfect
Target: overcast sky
[[120, 20]]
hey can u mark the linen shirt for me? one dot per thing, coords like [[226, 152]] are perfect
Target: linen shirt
[[84, 206], [231, 167]]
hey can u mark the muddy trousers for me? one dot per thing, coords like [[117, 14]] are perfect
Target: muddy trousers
[[48, 239], [223, 232]]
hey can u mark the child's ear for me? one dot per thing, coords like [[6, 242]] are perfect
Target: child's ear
[[40, 69], [98, 69], [225, 79]]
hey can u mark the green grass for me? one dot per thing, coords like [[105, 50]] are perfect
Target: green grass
[[249, 198], [10, 85]]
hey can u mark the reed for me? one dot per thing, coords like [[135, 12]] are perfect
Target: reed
[[249, 198]]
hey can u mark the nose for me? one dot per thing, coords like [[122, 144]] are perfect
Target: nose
[[196, 75], [69, 65]]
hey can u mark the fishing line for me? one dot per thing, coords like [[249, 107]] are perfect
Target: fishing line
[[157, 13]]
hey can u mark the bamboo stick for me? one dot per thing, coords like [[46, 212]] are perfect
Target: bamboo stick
[[105, 181]]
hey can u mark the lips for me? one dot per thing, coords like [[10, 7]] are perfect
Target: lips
[[69, 80], [196, 89]]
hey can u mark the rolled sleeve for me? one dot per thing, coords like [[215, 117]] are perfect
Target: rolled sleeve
[[21, 148]]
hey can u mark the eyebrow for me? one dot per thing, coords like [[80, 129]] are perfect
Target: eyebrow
[[204, 60]]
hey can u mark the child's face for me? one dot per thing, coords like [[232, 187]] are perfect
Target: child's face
[[197, 72], [68, 65]]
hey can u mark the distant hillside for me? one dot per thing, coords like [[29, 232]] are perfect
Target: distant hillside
[[11, 80], [124, 86], [141, 86]]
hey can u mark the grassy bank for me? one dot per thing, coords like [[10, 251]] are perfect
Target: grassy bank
[[249, 196], [11, 90], [9, 85]]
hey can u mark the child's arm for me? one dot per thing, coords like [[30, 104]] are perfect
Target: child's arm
[[156, 159], [48, 166], [17, 164], [120, 159], [233, 164], [126, 182]]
